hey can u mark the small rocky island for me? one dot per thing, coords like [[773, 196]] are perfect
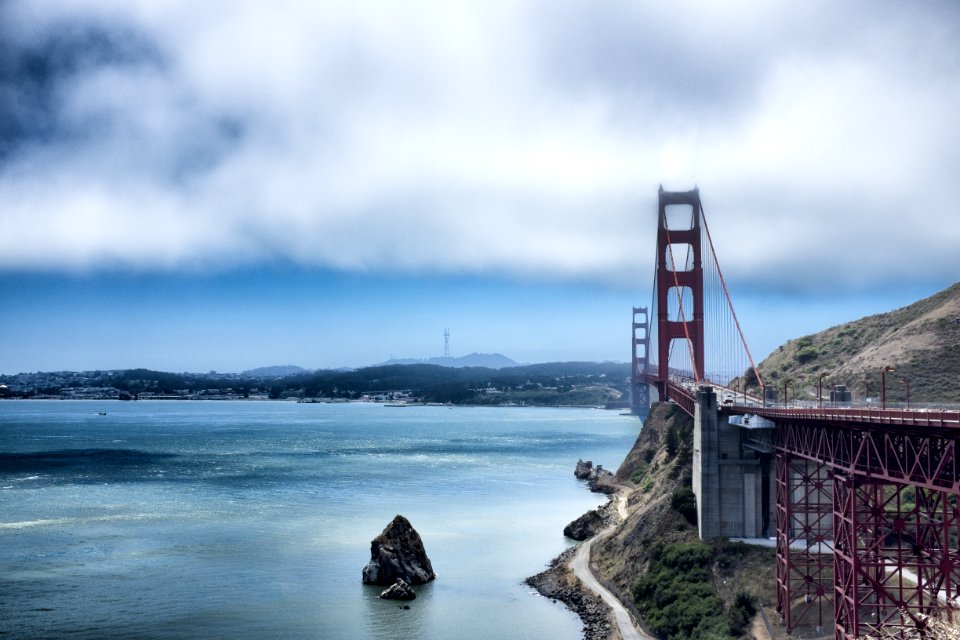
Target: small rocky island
[[398, 560]]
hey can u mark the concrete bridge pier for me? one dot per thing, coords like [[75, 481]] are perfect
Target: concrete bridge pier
[[731, 475]]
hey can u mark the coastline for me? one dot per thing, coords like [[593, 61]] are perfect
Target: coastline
[[559, 582]]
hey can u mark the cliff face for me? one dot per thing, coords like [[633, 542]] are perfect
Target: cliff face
[[681, 587], [657, 475], [922, 341]]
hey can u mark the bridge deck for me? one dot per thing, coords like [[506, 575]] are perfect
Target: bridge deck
[[683, 393]]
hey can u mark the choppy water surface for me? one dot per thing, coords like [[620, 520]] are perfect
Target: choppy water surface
[[254, 519]]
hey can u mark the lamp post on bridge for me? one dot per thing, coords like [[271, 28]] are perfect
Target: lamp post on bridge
[[820, 388], [883, 385], [785, 383], [906, 381]]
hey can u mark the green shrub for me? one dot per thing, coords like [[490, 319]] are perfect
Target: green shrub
[[677, 597], [672, 441], [637, 476], [807, 353], [740, 613], [684, 502], [647, 484]]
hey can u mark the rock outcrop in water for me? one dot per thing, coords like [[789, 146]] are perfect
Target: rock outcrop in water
[[398, 553], [584, 470], [400, 590], [599, 479]]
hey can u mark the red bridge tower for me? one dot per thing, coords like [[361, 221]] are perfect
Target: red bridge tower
[[672, 243]]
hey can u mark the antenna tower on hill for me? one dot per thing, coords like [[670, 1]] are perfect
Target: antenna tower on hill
[[446, 343]]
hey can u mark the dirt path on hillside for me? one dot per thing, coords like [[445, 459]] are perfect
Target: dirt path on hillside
[[581, 568]]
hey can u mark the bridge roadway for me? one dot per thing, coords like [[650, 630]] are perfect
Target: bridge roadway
[[683, 393]]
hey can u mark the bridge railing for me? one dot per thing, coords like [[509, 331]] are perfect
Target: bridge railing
[[912, 417], [683, 391]]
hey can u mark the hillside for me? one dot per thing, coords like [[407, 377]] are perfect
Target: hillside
[[548, 384], [922, 341], [679, 586]]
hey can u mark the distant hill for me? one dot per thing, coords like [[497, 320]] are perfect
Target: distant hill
[[277, 371], [486, 360], [548, 384], [921, 340]]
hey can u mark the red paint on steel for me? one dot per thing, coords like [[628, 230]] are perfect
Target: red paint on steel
[[667, 278]]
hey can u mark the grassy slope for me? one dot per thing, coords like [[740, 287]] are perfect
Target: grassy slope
[[921, 340], [657, 542]]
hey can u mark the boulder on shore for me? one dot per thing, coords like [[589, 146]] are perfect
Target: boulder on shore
[[399, 590], [398, 553], [586, 526]]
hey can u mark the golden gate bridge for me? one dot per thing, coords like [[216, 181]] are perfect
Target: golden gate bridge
[[862, 501]]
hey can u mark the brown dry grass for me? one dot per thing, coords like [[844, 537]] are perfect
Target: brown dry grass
[[921, 340]]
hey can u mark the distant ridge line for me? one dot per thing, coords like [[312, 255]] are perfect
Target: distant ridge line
[[486, 360]]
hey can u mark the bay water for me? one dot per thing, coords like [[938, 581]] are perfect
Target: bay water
[[171, 519]]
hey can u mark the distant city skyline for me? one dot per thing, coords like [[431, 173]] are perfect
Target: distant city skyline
[[189, 187]]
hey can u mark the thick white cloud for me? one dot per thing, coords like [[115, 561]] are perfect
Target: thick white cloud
[[523, 139]]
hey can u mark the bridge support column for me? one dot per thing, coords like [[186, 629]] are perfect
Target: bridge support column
[[706, 470], [895, 521], [846, 585]]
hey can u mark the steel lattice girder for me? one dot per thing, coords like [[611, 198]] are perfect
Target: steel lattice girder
[[896, 556], [804, 539], [917, 459], [896, 524]]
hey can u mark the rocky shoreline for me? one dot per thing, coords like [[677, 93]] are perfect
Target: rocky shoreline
[[558, 583]]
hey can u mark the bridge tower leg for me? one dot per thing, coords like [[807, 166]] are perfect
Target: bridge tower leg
[[677, 242], [639, 390]]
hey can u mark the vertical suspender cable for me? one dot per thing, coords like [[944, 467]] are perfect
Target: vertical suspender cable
[[729, 301]]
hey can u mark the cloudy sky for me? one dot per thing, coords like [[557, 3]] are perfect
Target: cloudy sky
[[230, 184]]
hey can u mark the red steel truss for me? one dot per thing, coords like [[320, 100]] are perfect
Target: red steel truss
[[887, 500], [805, 536]]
